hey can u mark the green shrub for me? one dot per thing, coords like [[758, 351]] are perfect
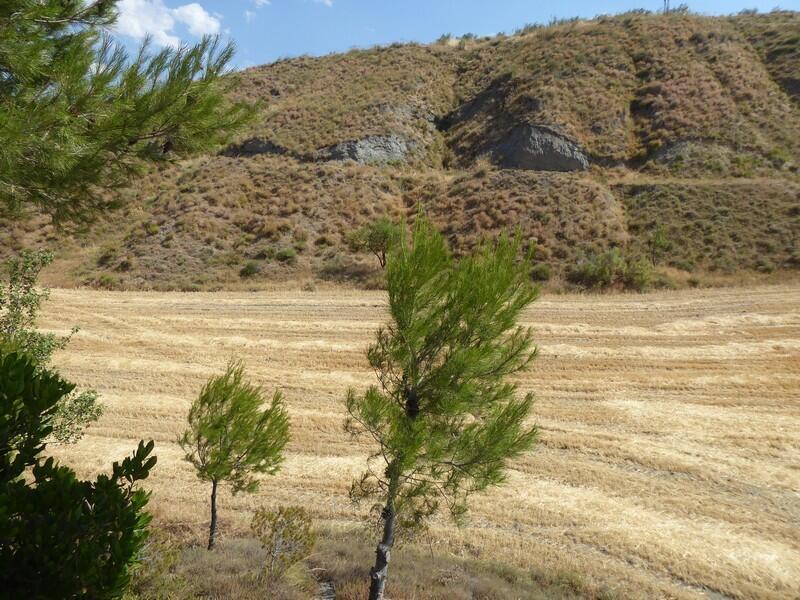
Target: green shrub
[[637, 274], [250, 269], [60, 537], [612, 269], [598, 270], [286, 255], [540, 272]]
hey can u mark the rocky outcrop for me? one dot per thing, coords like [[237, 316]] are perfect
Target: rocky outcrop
[[375, 149], [538, 148], [254, 146]]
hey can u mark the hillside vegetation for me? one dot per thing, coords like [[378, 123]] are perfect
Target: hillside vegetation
[[679, 123]]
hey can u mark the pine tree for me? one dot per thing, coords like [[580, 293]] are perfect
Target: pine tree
[[231, 439], [78, 115], [444, 416]]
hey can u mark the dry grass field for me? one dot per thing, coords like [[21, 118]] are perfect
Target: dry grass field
[[669, 460]]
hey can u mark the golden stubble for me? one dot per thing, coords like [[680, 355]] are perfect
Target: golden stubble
[[670, 425]]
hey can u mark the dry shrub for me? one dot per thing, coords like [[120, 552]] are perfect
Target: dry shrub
[[287, 536]]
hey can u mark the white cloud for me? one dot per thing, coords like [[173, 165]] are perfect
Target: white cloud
[[249, 15], [260, 3], [197, 19], [325, 2], [139, 18]]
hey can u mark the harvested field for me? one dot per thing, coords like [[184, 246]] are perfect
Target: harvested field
[[669, 459]]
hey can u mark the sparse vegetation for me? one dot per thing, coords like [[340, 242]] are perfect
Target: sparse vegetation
[[711, 124], [287, 535], [20, 304]]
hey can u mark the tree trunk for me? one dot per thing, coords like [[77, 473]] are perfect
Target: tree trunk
[[380, 572], [212, 529]]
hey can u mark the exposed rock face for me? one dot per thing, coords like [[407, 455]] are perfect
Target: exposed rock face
[[374, 149], [539, 149], [253, 146]]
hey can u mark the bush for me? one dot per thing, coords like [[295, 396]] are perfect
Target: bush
[[249, 270], [612, 269], [20, 303], [60, 537], [540, 272], [599, 270], [287, 536], [286, 255]]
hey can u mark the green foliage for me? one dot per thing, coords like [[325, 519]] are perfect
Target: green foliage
[[444, 416], [230, 438], [250, 269], [376, 238], [80, 115], [286, 255], [611, 269], [286, 534], [20, 303], [658, 243], [60, 537], [540, 272]]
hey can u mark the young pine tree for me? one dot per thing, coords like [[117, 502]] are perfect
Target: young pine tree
[[444, 416], [231, 439]]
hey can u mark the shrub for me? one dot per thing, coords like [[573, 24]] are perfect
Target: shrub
[[599, 270], [60, 537], [611, 269], [286, 255], [540, 272], [20, 303], [249, 270], [287, 536]]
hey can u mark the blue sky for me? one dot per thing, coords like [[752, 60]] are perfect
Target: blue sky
[[265, 30]]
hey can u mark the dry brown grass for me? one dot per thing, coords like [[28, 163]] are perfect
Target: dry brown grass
[[690, 119], [668, 459]]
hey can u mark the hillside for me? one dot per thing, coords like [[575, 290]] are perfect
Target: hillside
[[585, 134]]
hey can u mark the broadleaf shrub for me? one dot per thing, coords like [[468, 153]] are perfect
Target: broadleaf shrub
[[60, 537], [20, 303]]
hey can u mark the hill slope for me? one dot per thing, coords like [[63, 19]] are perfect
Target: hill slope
[[585, 134]]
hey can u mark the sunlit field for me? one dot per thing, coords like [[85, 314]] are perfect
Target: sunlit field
[[669, 456]]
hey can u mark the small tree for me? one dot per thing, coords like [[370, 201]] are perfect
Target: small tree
[[60, 537], [287, 535], [20, 303], [376, 238], [445, 418], [231, 439], [658, 243]]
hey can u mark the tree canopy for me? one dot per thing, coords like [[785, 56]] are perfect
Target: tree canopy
[[230, 438], [444, 416], [79, 116]]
